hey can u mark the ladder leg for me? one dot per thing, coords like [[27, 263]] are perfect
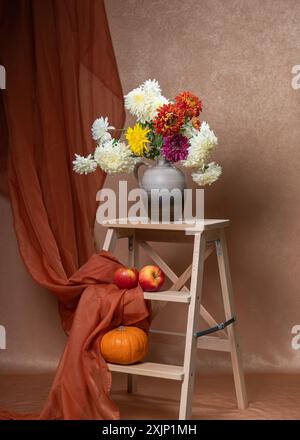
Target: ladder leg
[[110, 240], [131, 384], [228, 302], [133, 258], [190, 353]]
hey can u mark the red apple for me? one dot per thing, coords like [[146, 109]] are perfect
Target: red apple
[[126, 277], [151, 278]]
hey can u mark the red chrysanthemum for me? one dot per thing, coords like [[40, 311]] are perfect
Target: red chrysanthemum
[[189, 104], [169, 119]]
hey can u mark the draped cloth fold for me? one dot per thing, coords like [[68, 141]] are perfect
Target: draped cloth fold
[[82, 382], [61, 75]]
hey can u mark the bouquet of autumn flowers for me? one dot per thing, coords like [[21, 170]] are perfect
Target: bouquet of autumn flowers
[[164, 129]]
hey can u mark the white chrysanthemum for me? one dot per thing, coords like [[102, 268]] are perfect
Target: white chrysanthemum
[[144, 101], [115, 157], [208, 175], [151, 86], [105, 138], [201, 145], [84, 165], [100, 129], [158, 102], [188, 130], [152, 109], [136, 101]]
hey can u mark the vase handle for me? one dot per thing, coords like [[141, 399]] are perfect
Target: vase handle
[[136, 171]]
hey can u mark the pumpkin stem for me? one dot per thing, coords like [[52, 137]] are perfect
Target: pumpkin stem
[[121, 328]]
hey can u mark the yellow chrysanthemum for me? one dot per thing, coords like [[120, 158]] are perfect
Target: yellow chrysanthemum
[[137, 139]]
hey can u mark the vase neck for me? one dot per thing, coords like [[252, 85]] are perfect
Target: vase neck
[[161, 161]]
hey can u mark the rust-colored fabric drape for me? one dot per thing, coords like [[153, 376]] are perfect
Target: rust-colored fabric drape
[[3, 149], [82, 382], [61, 75]]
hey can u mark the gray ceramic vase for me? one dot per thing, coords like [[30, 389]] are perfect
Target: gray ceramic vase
[[162, 176]]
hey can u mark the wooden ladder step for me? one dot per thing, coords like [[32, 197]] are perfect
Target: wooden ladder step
[[150, 369], [169, 295]]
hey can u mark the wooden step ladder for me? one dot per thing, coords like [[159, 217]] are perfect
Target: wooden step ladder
[[205, 236]]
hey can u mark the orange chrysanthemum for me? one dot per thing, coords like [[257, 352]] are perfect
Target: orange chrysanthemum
[[189, 104], [169, 119], [196, 123]]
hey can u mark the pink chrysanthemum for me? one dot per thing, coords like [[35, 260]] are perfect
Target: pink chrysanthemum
[[175, 147]]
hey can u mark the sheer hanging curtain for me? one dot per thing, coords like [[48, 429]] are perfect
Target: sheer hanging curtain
[[62, 74]]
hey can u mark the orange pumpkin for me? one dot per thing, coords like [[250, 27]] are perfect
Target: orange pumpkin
[[124, 345]]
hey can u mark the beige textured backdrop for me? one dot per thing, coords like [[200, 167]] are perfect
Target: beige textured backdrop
[[237, 55]]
